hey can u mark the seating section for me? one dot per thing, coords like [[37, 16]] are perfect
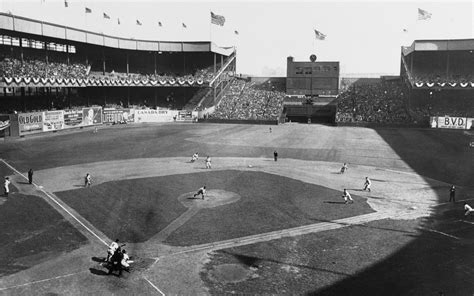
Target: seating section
[[374, 103], [35, 68], [248, 101]]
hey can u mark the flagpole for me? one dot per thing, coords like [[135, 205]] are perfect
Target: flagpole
[[210, 28]]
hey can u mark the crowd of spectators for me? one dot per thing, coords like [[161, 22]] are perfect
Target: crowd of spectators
[[374, 103], [245, 101], [433, 77], [205, 75], [34, 68]]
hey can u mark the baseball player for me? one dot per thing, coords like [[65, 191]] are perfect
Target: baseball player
[[112, 248], [468, 209], [208, 162], [201, 191], [367, 184], [6, 185], [87, 180], [344, 168], [347, 196]]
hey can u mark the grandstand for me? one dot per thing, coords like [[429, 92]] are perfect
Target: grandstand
[[46, 66], [436, 79]]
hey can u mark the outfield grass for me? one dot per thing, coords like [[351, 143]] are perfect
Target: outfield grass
[[134, 210]]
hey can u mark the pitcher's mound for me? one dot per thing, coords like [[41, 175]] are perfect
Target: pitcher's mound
[[213, 198]]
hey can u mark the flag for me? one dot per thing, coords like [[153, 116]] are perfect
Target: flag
[[66, 4], [106, 16], [184, 25], [118, 21], [160, 24], [423, 15], [217, 19], [405, 31], [236, 32], [139, 23], [319, 35], [88, 10]]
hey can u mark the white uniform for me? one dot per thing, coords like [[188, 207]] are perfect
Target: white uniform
[[6, 186], [208, 162], [347, 196], [367, 184], [126, 260], [468, 210]]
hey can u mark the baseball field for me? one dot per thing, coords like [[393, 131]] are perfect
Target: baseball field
[[263, 226]]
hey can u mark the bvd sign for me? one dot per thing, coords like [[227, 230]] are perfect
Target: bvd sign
[[452, 122]]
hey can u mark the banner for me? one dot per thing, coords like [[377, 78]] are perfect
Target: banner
[[4, 122], [30, 122], [53, 120], [112, 115], [92, 115], [451, 122], [152, 115], [72, 118]]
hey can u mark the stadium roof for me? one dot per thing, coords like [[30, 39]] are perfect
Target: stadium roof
[[25, 25], [439, 45]]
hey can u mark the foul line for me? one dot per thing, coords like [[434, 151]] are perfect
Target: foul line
[[156, 288], [56, 202], [442, 233], [40, 281]]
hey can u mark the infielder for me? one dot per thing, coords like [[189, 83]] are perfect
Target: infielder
[[347, 196], [367, 184]]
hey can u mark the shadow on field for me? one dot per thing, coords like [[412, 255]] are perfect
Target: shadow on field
[[251, 261], [434, 263], [98, 271], [98, 259]]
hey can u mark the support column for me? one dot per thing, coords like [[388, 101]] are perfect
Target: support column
[[154, 56], [447, 64], [103, 63], [128, 69], [215, 61]]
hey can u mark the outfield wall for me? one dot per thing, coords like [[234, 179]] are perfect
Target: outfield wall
[[29, 123]]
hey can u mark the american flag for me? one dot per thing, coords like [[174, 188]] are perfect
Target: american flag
[[66, 4], [184, 25], [423, 15], [217, 19], [160, 24], [236, 32], [139, 23], [106, 16], [88, 10], [319, 35]]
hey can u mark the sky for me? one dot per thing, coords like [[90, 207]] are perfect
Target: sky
[[364, 36]]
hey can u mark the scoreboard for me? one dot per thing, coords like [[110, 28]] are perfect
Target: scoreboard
[[312, 78]]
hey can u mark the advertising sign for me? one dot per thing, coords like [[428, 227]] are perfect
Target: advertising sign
[[53, 120], [112, 115], [4, 125], [152, 115], [451, 122], [92, 115], [72, 118], [30, 122], [4, 122]]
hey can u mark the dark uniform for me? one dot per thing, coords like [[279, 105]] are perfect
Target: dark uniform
[[30, 176], [275, 155], [452, 194]]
